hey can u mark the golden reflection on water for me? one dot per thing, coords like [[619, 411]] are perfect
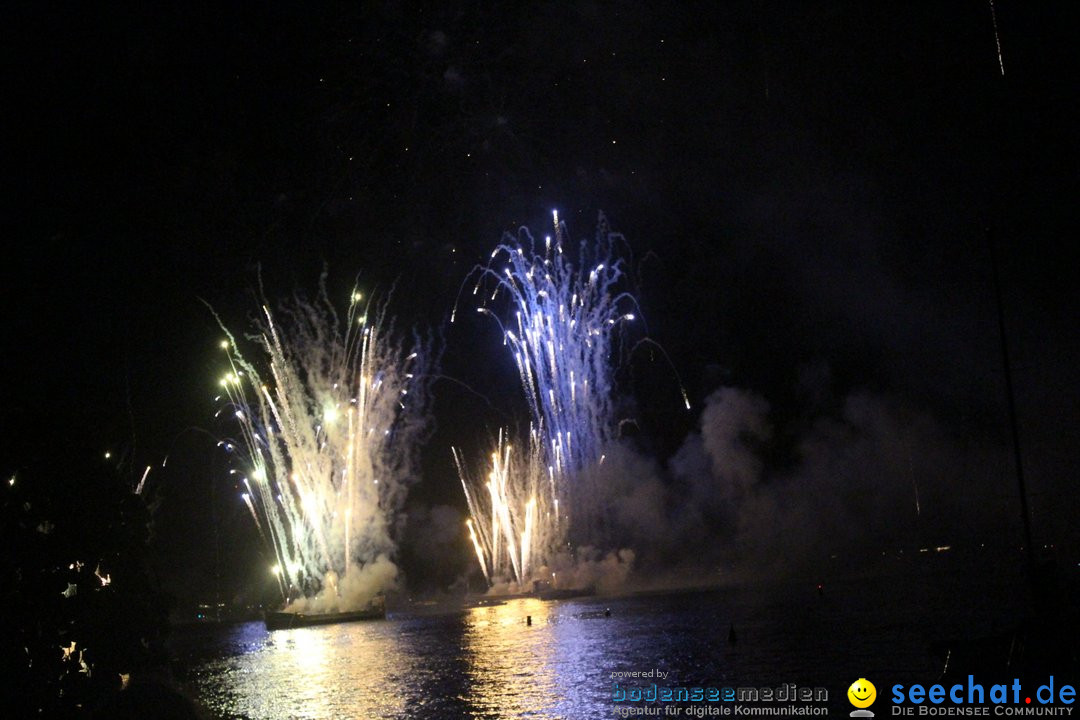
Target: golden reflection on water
[[487, 662], [484, 662], [336, 671], [509, 662]]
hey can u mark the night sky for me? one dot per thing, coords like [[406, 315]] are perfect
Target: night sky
[[806, 190]]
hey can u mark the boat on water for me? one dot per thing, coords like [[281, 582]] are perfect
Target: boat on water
[[564, 593], [541, 591], [282, 620]]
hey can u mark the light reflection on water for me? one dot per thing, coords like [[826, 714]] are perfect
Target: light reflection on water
[[510, 667], [484, 662], [306, 673], [487, 662]]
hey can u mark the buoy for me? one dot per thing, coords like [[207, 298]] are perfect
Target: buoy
[[528, 619], [607, 612]]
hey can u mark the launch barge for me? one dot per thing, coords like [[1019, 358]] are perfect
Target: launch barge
[[286, 620]]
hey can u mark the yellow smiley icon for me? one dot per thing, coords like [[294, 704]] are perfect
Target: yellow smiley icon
[[862, 693]]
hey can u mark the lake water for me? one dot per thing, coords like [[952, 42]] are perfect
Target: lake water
[[488, 662]]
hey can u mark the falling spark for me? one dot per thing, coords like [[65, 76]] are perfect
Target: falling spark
[[479, 550], [142, 481], [997, 38]]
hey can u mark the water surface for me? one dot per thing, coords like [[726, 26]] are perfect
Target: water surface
[[488, 662]]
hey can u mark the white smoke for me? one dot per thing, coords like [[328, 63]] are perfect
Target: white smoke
[[355, 591]]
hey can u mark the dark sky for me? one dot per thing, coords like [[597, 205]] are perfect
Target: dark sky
[[805, 187]]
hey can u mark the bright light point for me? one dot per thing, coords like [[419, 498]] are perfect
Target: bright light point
[[628, 316], [259, 474], [245, 496], [357, 297], [276, 570], [108, 455], [11, 480], [330, 415], [224, 344]]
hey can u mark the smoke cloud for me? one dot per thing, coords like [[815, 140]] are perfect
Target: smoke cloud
[[874, 477], [751, 493], [356, 590]]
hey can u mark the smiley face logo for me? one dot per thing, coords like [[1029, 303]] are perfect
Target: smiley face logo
[[862, 693]]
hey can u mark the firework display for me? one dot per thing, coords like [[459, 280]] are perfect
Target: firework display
[[563, 324], [331, 417], [514, 511]]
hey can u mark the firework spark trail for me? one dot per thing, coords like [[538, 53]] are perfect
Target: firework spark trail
[[565, 319], [512, 523], [331, 444], [564, 323], [997, 38]]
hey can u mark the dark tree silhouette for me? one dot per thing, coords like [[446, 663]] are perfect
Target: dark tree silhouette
[[83, 614]]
